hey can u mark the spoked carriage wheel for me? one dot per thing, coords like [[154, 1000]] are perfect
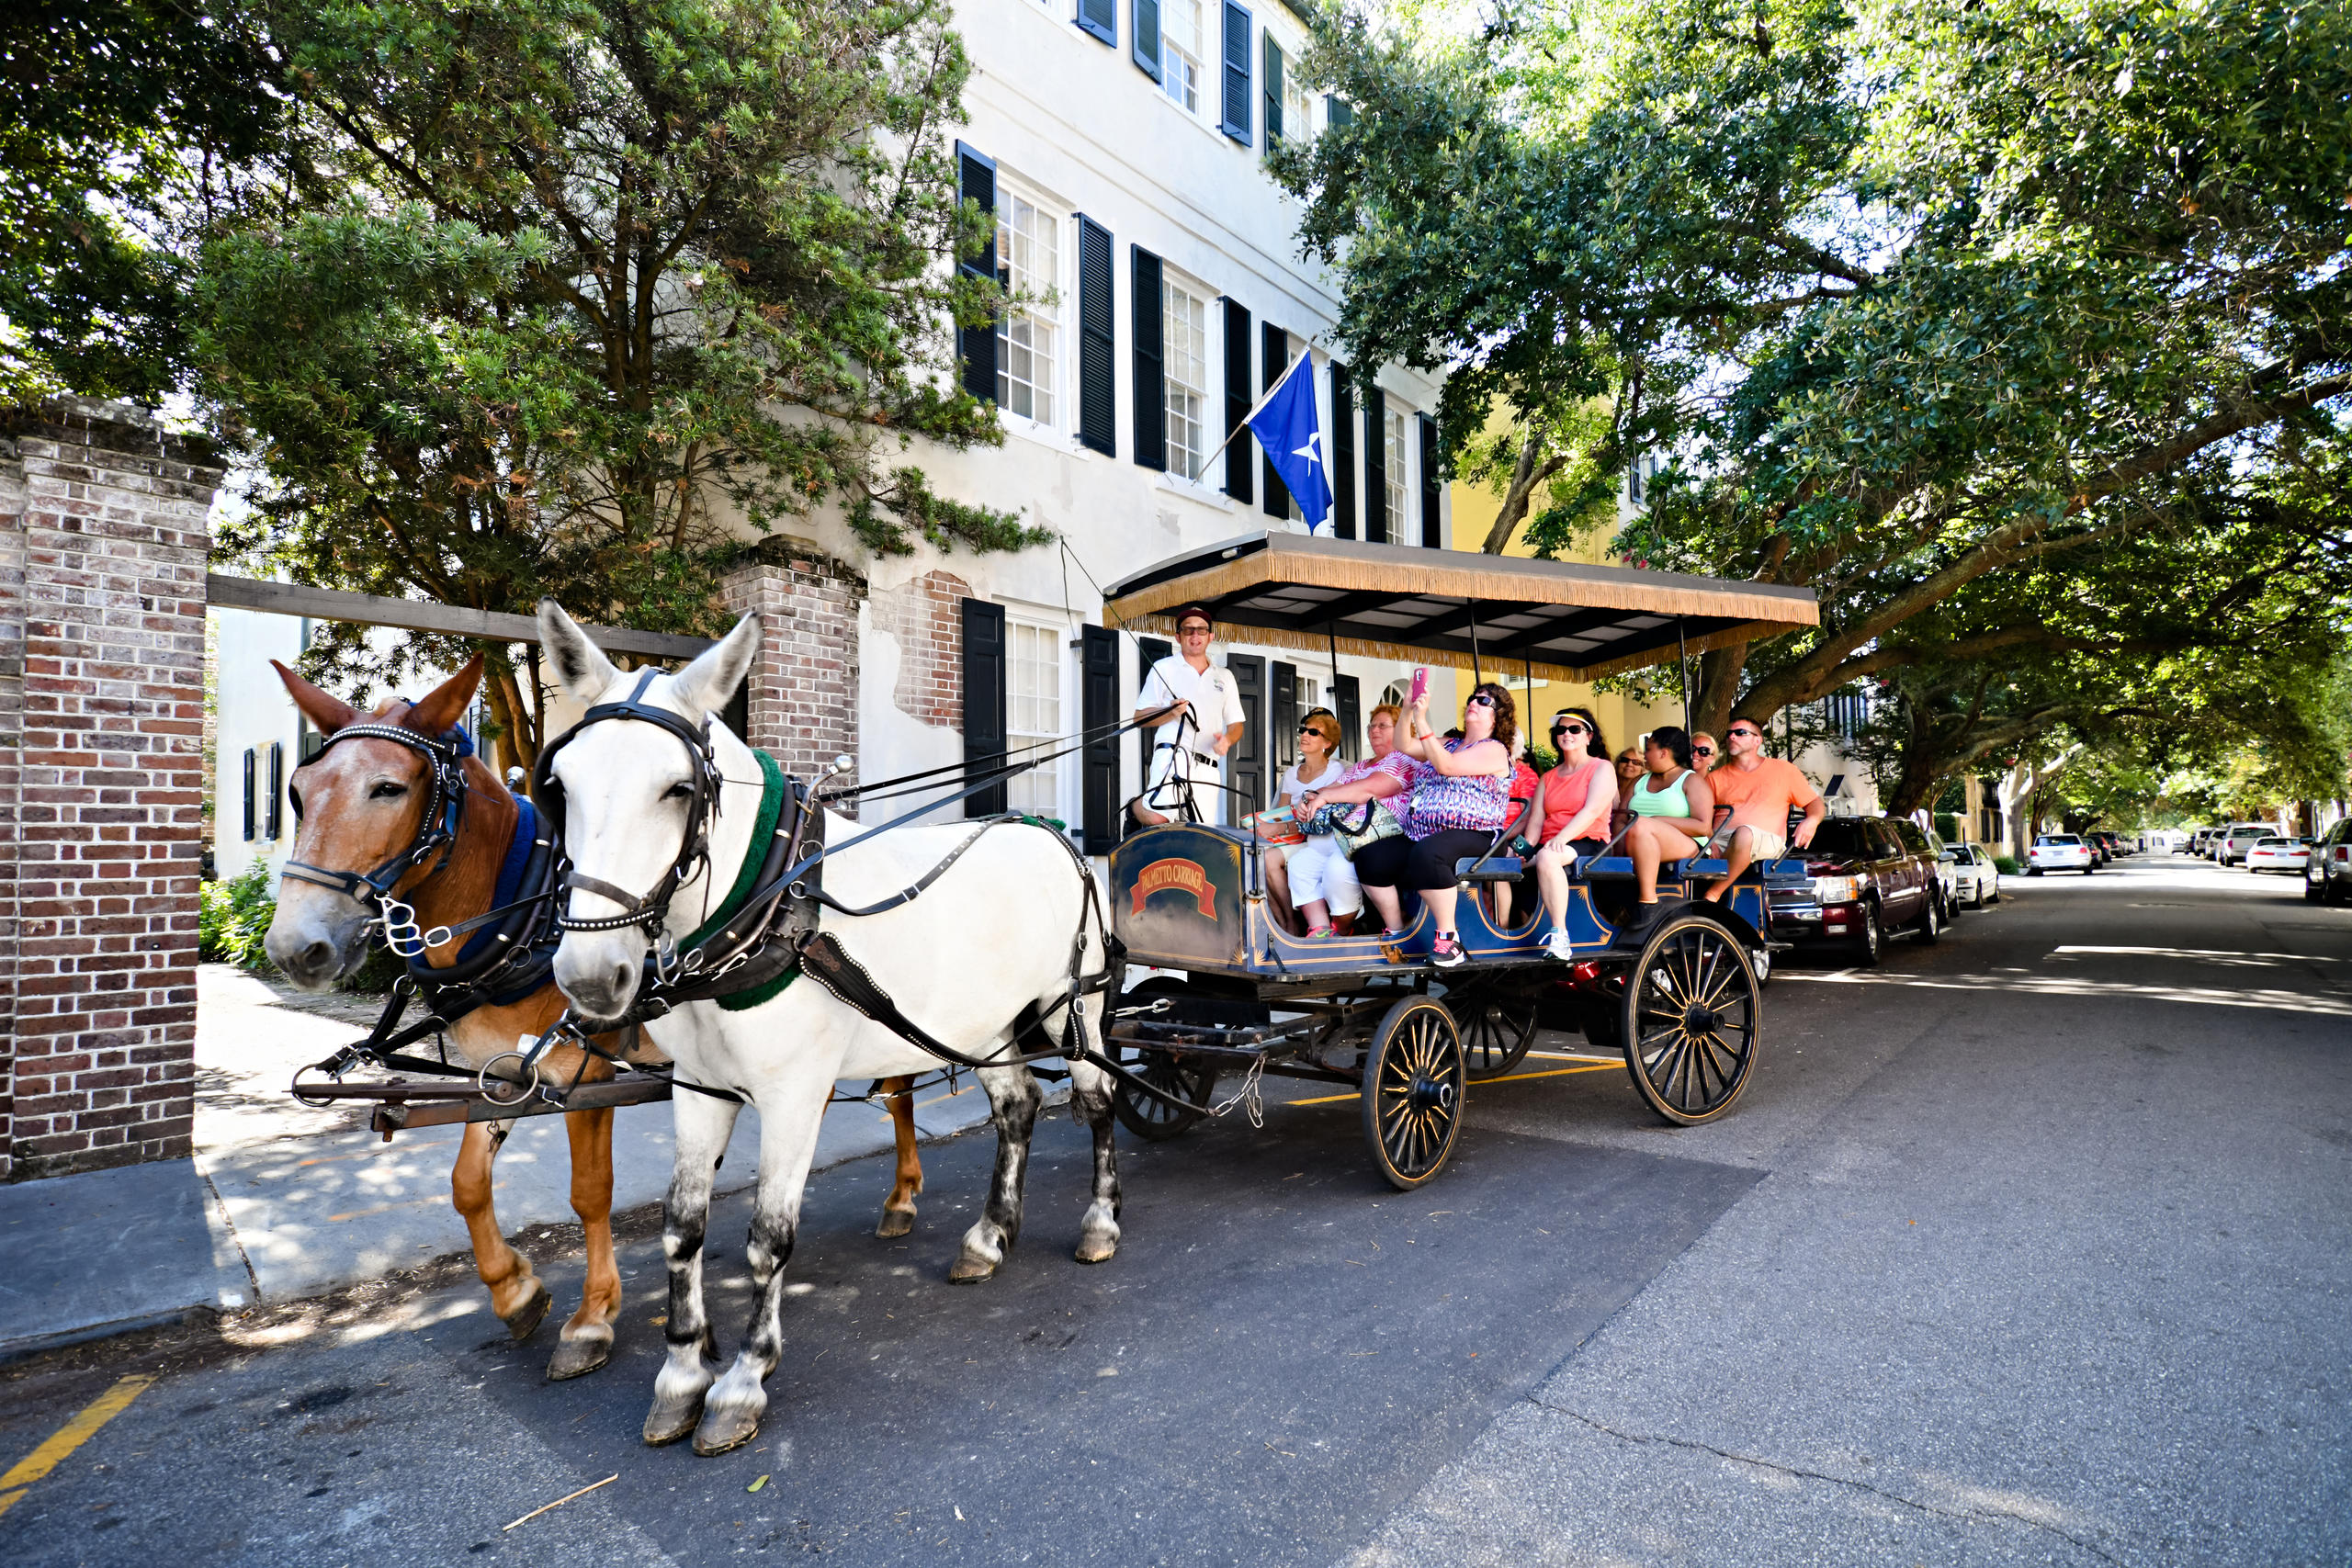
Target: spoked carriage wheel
[[1692, 1021], [1148, 1118], [1414, 1077], [1498, 1027]]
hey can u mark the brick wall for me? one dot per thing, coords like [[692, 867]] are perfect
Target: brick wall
[[12, 704], [803, 689], [105, 803], [922, 617]]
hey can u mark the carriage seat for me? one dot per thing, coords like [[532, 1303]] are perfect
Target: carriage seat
[[1494, 865]]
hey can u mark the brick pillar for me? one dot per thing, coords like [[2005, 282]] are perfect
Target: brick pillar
[[802, 695], [105, 806]]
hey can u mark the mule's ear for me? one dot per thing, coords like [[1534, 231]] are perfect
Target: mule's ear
[[329, 714], [579, 665], [447, 702], [705, 686]]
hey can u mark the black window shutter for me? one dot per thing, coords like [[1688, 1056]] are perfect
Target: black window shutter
[[1343, 455], [1143, 25], [1245, 763], [1150, 390], [975, 181], [1098, 702], [277, 788], [1338, 111], [1149, 651], [1100, 17], [251, 798], [1098, 394], [1284, 682], [1271, 67], [1430, 526], [1239, 471], [1275, 354], [1376, 469], [984, 673], [1237, 74], [1348, 700]]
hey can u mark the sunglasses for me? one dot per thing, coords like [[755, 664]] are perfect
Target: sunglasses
[[1193, 629], [1703, 751], [1560, 729], [1480, 700], [1755, 732]]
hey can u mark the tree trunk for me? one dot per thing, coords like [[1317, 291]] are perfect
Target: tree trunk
[[1532, 470], [519, 740], [1719, 672]]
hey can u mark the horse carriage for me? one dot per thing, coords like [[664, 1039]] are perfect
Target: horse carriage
[[821, 949], [1240, 993]]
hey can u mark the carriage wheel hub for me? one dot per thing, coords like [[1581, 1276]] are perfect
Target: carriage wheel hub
[[1697, 1020], [1429, 1094]]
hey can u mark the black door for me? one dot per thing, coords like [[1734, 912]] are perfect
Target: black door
[[1246, 769]]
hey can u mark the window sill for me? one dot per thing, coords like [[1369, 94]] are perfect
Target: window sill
[[1193, 490], [1050, 436]]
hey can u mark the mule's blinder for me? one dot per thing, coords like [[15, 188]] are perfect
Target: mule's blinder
[[435, 831]]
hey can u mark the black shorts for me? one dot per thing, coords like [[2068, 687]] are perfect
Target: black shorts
[[1420, 865]]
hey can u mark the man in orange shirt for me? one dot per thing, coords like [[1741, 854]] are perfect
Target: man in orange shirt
[[1760, 791]]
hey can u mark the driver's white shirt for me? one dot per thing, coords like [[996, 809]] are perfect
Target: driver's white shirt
[[1175, 774], [1215, 699]]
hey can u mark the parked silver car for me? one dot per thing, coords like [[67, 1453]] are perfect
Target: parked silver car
[[1976, 880]]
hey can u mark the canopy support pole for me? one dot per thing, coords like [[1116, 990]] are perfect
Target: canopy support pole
[[1477, 674], [1331, 637], [1527, 694], [1682, 666]]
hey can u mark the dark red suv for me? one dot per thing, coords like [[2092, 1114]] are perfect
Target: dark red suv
[[1870, 875]]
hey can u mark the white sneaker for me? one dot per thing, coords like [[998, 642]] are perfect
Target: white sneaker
[[1558, 945]]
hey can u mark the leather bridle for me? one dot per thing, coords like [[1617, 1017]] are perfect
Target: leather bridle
[[436, 831], [651, 909]]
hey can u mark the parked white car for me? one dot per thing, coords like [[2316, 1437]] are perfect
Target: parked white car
[[2230, 848], [1977, 881], [2059, 851], [2277, 853]]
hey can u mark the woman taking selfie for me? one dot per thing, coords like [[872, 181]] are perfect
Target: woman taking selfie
[[1461, 796]]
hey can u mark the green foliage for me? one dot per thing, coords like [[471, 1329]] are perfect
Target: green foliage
[[120, 122], [2008, 865], [573, 298], [233, 917], [1915, 297]]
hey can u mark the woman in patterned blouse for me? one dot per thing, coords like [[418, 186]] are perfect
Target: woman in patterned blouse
[[1461, 796]]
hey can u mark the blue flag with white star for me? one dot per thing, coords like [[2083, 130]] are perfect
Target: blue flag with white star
[[1287, 426]]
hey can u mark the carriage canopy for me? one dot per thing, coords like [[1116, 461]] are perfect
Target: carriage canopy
[[1556, 620]]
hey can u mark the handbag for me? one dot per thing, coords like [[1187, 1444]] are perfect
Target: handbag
[[1372, 824]]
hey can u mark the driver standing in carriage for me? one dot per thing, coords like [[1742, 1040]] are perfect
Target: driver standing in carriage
[[1188, 750]]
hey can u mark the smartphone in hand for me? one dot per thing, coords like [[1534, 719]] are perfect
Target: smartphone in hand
[[1420, 685]]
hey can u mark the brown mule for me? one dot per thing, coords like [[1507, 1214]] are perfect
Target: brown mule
[[360, 805]]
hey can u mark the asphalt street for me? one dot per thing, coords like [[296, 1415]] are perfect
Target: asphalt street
[[2027, 1247]]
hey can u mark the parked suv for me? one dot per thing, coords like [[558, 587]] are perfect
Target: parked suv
[[1867, 880], [2327, 875], [2059, 851], [2230, 848]]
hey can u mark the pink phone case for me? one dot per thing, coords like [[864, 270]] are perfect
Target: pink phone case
[[1420, 685]]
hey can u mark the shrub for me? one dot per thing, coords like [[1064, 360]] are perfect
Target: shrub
[[232, 921], [1947, 828], [2005, 864], [234, 916]]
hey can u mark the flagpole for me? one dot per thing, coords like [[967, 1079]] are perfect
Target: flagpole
[[1305, 358]]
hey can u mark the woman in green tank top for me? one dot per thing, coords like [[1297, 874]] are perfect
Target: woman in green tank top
[[1673, 812]]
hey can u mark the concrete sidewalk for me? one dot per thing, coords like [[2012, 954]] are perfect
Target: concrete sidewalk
[[282, 1201]]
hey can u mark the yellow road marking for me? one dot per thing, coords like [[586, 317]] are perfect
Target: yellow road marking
[[66, 1439], [1513, 1077]]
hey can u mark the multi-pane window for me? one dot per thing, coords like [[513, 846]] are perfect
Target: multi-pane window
[[1392, 451], [1184, 346], [1180, 51], [1298, 106], [1028, 248], [1033, 711]]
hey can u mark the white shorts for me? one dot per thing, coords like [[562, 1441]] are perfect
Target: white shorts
[[1319, 869], [1763, 843], [1178, 773]]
